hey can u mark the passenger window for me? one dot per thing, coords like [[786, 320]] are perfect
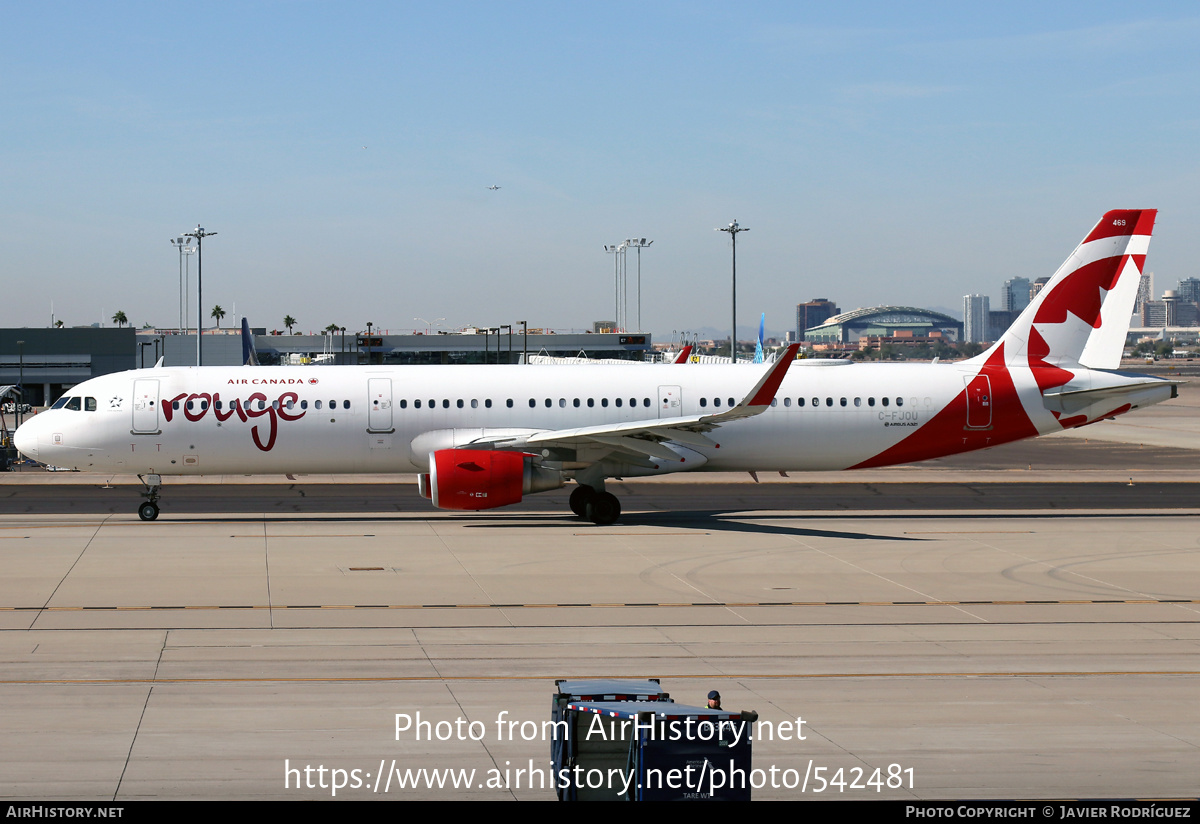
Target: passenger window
[[275, 404], [619, 401], [799, 401], [858, 401], [716, 401], [591, 402], [317, 404], [532, 403], [816, 401], [884, 401], [829, 401], [510, 403], [645, 401], [475, 403], [703, 403], [633, 401], [549, 403], [203, 404], [445, 403], [786, 401], [576, 403], [843, 401], [899, 401], [562, 403], [189, 405], [304, 404], [460, 403], [604, 402], [774, 401], [870, 401]]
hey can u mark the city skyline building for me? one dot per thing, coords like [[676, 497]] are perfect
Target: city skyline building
[[813, 313], [976, 318]]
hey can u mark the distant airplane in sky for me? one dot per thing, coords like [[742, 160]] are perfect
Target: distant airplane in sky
[[494, 188]]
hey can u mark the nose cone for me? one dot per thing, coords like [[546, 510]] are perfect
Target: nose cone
[[25, 440]]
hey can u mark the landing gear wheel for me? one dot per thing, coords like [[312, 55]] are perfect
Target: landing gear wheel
[[148, 511], [603, 509], [580, 497]]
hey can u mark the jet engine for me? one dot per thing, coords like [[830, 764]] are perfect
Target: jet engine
[[484, 478]]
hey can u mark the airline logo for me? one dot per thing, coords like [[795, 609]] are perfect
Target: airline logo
[[197, 405]]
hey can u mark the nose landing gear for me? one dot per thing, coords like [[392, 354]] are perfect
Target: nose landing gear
[[148, 510]]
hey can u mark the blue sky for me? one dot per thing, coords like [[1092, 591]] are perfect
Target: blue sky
[[879, 153]]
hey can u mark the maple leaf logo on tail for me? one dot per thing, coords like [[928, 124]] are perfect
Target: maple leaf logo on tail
[[1081, 317]]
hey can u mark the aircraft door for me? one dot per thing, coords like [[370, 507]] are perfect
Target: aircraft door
[[379, 405], [145, 407], [670, 402], [979, 402]]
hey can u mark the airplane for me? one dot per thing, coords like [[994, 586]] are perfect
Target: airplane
[[484, 436], [494, 188]]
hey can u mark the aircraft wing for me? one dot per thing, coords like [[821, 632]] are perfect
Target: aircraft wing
[[647, 436]]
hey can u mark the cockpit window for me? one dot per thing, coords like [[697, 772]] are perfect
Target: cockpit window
[[60, 403], [89, 404], [73, 404]]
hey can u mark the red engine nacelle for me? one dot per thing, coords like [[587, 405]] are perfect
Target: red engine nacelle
[[484, 478]]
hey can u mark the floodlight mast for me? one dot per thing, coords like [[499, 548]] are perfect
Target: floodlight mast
[[199, 234], [639, 243], [733, 230]]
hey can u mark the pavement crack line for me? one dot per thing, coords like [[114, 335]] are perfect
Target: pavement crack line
[[133, 741], [924, 595], [67, 574]]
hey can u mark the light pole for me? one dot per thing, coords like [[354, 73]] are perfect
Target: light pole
[[199, 234], [429, 324], [639, 243], [21, 384], [618, 253], [185, 247], [733, 230], [524, 342]]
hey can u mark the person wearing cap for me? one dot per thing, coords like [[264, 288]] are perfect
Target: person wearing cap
[[714, 700]]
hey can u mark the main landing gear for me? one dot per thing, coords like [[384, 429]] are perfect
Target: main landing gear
[[148, 510], [600, 508]]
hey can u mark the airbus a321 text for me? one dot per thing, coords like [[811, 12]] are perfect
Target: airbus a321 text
[[481, 437]]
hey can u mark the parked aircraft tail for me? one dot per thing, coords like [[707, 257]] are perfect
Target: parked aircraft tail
[[1081, 316], [249, 355]]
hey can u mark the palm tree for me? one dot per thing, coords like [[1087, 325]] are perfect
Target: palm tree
[[119, 319], [289, 322], [333, 327], [218, 313]]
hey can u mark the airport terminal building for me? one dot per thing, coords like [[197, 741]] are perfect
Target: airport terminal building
[[47, 362]]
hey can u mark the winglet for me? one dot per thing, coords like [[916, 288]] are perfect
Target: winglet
[[764, 392], [249, 356], [684, 354]]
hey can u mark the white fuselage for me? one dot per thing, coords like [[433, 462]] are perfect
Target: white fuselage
[[826, 415]]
